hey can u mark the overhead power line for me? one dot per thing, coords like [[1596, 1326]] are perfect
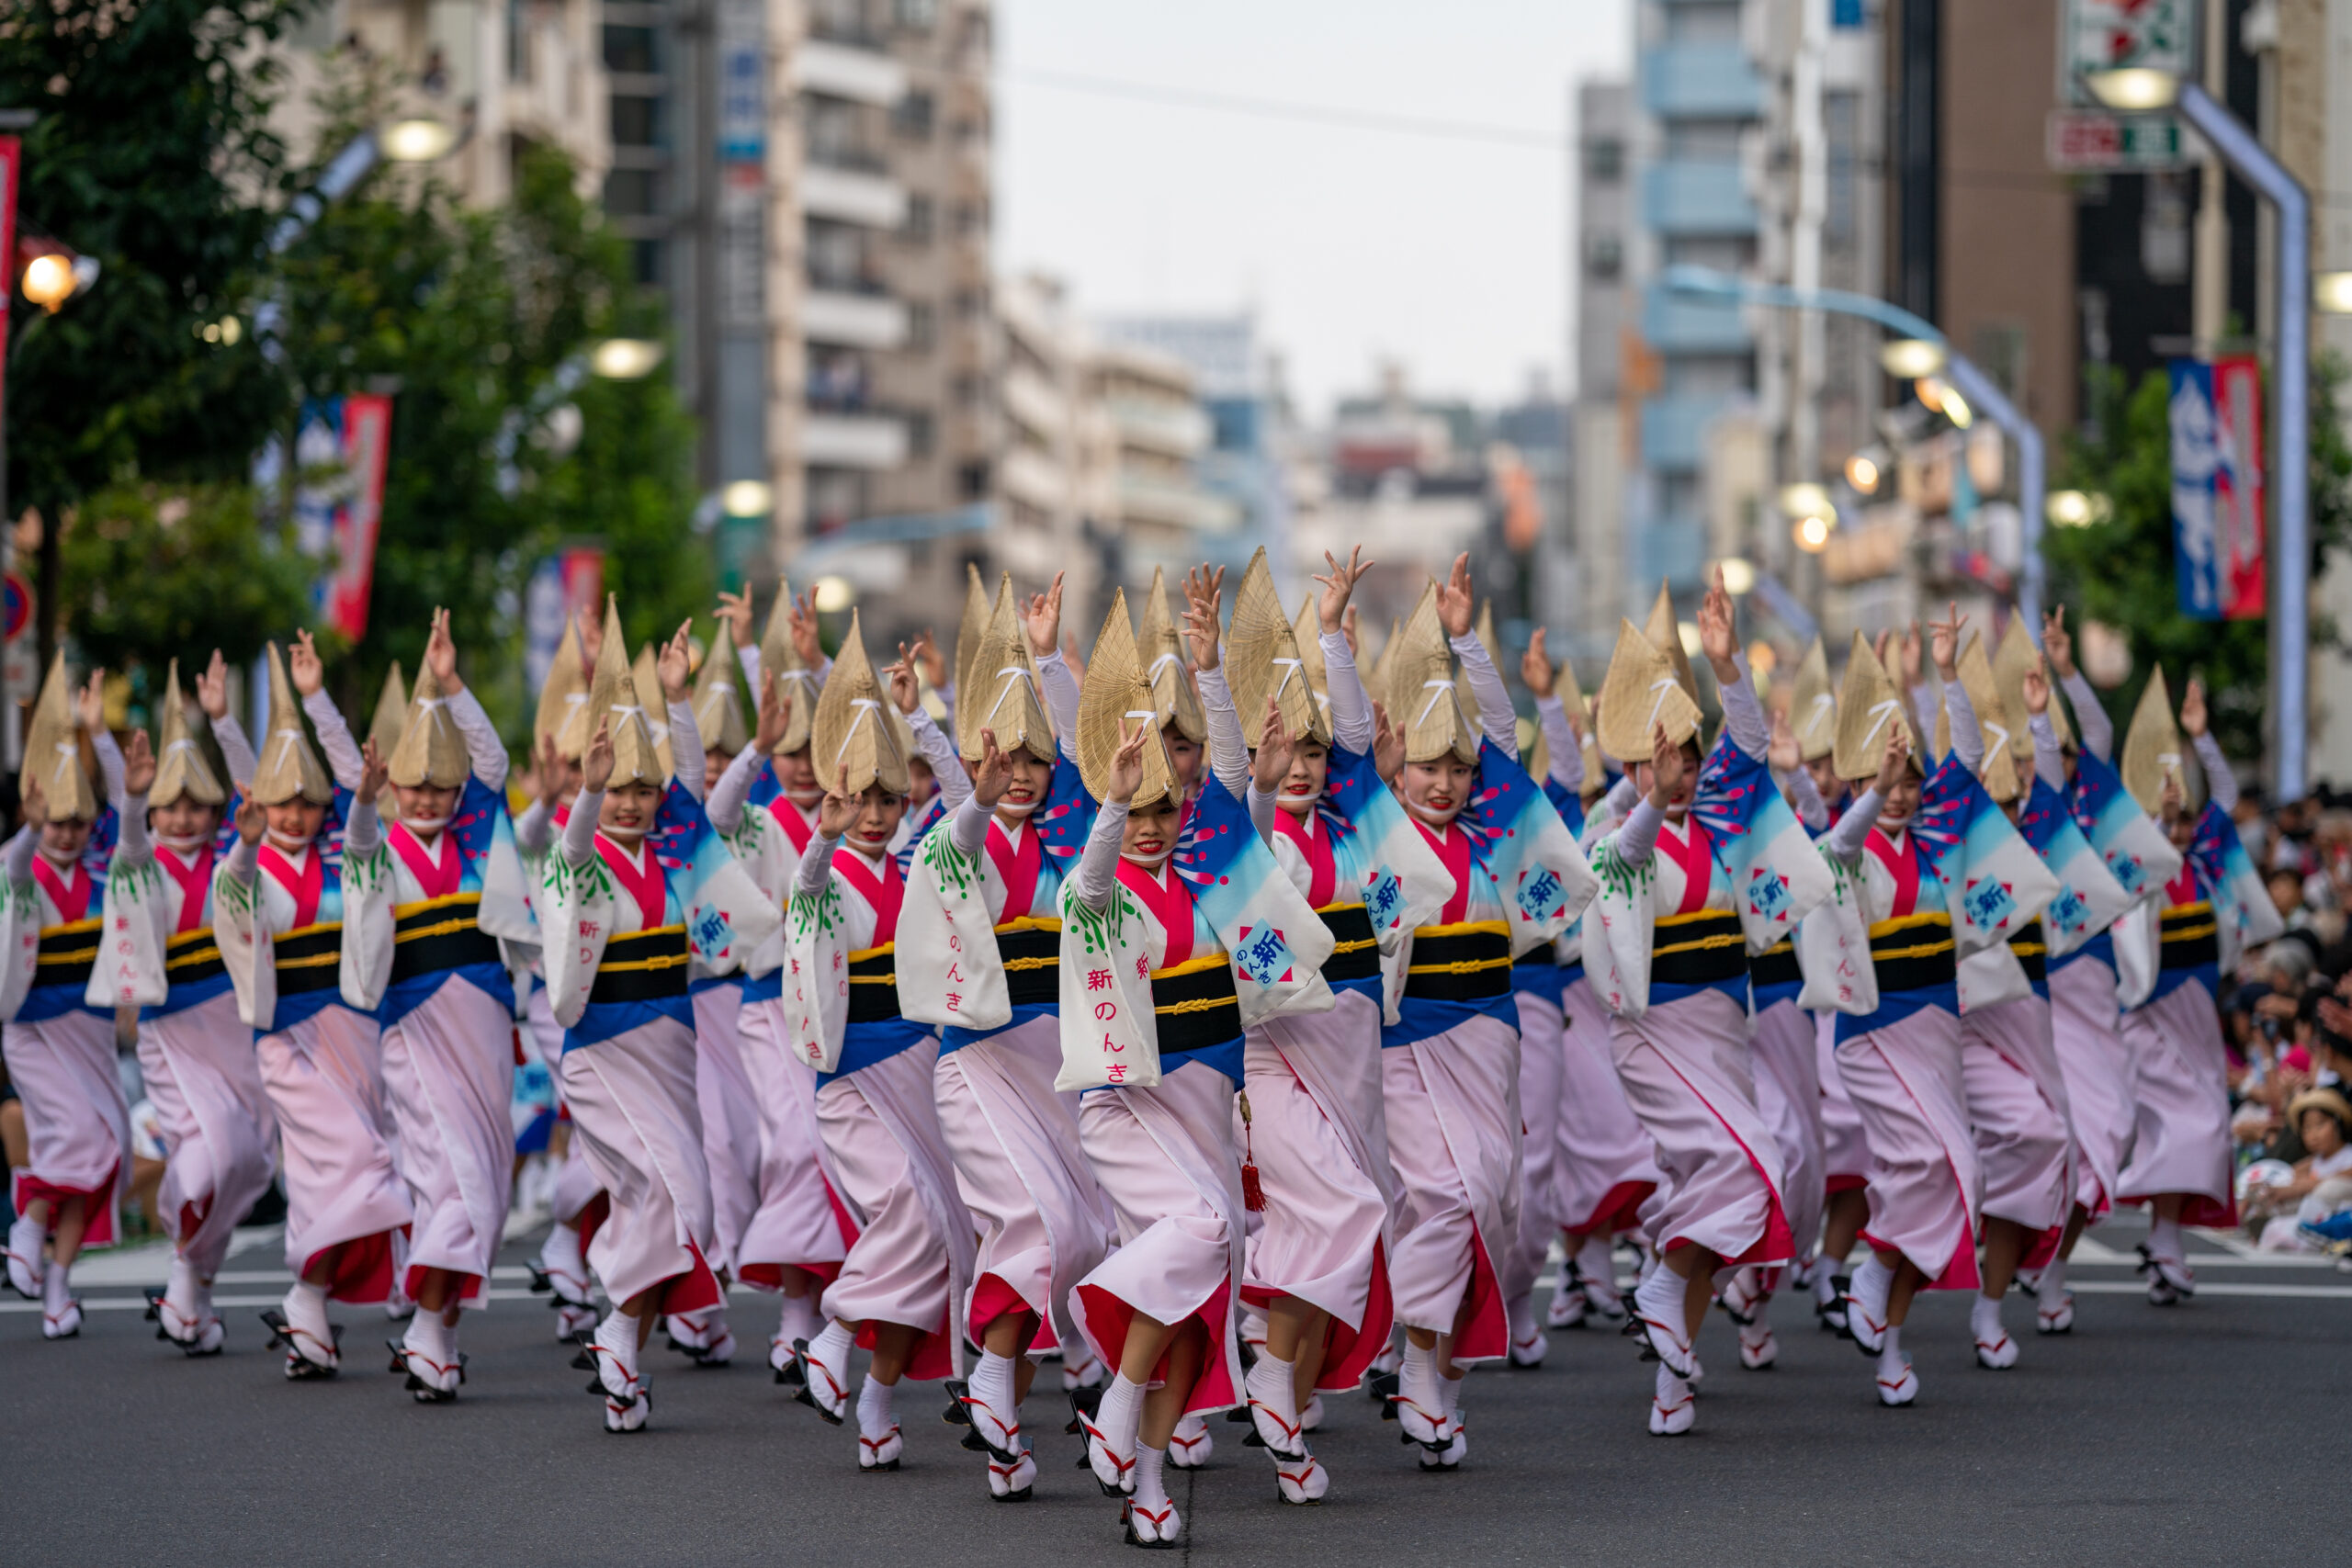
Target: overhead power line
[[1275, 109]]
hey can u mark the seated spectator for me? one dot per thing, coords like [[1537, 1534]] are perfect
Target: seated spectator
[[2296, 1213]]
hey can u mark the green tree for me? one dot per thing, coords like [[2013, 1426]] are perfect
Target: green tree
[[2120, 571], [156, 572], [151, 155]]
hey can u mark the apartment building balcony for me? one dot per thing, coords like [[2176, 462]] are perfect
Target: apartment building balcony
[[859, 70], [1712, 80], [1031, 478], [1672, 324], [1144, 498], [1174, 430], [1035, 403], [843, 439], [852, 317], [1696, 197], [1674, 431], [852, 187]]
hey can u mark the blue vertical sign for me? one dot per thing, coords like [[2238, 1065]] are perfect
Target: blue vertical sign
[[2195, 459]]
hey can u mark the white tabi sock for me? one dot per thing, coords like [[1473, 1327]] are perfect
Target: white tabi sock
[[1984, 1319], [1151, 1487], [1890, 1359], [1522, 1319], [833, 1346], [306, 1309], [560, 1254], [2164, 1240], [2053, 1287], [618, 1336], [184, 1293], [1271, 1381], [796, 1319], [429, 1338], [1825, 1286], [1873, 1282], [993, 1385], [1661, 1296], [874, 1419], [1417, 1379], [1596, 1263], [1119, 1414], [1449, 1395], [56, 1288]]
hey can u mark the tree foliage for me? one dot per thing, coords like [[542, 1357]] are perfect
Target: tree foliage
[[155, 573], [2121, 573]]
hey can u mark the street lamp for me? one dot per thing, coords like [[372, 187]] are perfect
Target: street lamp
[[625, 358], [419, 140], [746, 498], [1811, 534], [1910, 358], [2332, 292], [2134, 89]]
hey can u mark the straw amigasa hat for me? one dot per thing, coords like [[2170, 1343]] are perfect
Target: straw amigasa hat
[[646, 672], [2003, 781], [430, 751], [1666, 635], [795, 681], [563, 698], [181, 766], [974, 628], [2011, 659], [289, 765], [613, 699], [1375, 670], [852, 729], [1813, 708], [1867, 706], [1306, 630], [1640, 692], [2152, 747], [1116, 697], [718, 707], [391, 713], [54, 752], [1420, 685], [1173, 696], [999, 691], [1262, 658]]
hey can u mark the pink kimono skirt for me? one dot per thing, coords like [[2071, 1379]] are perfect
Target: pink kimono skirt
[[219, 1134]]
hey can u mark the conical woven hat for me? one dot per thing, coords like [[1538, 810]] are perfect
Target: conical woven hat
[[646, 674], [1469, 699], [1867, 705], [1420, 685], [181, 766], [1666, 636], [1306, 630], [2002, 780], [1262, 658], [2015, 655], [2152, 747], [1641, 692], [391, 714], [1000, 692], [563, 698], [288, 764], [430, 751], [53, 752], [975, 625], [853, 728], [718, 703], [1113, 700], [795, 681], [1173, 696], [613, 699], [1376, 672], [1812, 709]]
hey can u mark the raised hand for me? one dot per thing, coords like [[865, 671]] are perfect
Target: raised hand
[[1880, 648], [800, 625], [592, 636], [904, 689], [2171, 799], [138, 763], [1454, 608], [2058, 643], [1127, 764], [1782, 751], [1943, 642], [1388, 745], [212, 689], [838, 809], [674, 665], [1535, 667], [375, 769], [1718, 634], [2036, 685], [1668, 766], [250, 819], [547, 772], [1043, 617], [1332, 608], [441, 655], [775, 715], [1204, 596], [1912, 648], [90, 703], [1270, 764], [302, 664], [932, 663], [596, 763], [735, 611], [2192, 709], [1890, 765], [992, 775]]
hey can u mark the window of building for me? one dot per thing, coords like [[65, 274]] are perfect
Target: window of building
[[836, 497], [919, 434], [970, 390], [1703, 21], [1604, 258], [910, 117], [1604, 160], [632, 52], [972, 480], [970, 304], [636, 122], [1703, 141], [922, 328], [918, 221], [631, 193], [645, 263]]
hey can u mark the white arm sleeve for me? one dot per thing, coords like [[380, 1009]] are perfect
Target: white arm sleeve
[[725, 806], [1495, 716], [483, 744], [2221, 784], [748, 656], [235, 749], [1743, 714], [109, 764], [685, 749], [2049, 761], [363, 831], [1351, 708], [335, 739], [18, 855], [244, 861], [1263, 807], [1845, 840], [132, 846], [579, 831], [1228, 758], [1812, 810], [816, 866], [533, 829], [1637, 839], [955, 783], [1967, 735], [969, 825], [2090, 717], [1059, 688], [1560, 740], [1098, 868]]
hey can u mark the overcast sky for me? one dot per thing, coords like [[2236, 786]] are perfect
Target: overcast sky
[[1353, 245]]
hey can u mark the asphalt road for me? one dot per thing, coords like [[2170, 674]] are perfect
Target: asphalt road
[[2207, 1433]]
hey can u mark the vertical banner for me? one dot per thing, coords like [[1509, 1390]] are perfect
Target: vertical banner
[[2196, 457], [12, 153], [2238, 487], [340, 451], [562, 585]]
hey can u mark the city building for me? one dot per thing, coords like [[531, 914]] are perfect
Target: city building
[[1610, 368]]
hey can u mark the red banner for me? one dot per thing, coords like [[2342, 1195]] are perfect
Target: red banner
[[12, 153], [2241, 561], [340, 447]]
